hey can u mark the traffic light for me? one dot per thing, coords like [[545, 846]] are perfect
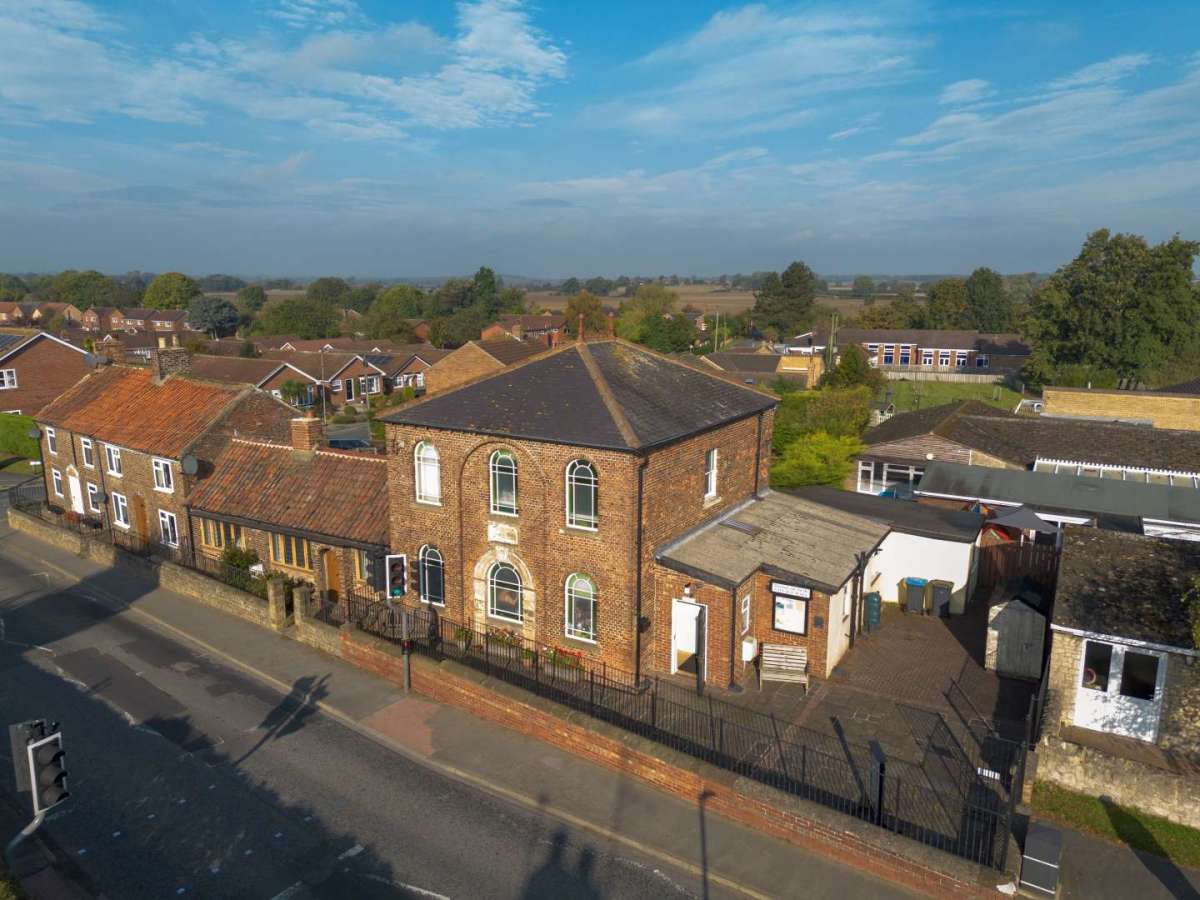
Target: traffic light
[[397, 574], [376, 571], [40, 763]]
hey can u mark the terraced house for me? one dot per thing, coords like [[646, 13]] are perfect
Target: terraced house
[[532, 499], [125, 446]]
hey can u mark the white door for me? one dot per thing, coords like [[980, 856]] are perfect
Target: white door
[[76, 493], [684, 618], [1120, 690]]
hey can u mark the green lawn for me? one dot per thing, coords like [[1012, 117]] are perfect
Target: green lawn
[[1140, 831], [909, 395], [19, 466]]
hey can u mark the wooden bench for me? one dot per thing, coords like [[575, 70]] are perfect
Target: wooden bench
[[780, 662]]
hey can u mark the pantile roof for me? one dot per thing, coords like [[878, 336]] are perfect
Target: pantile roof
[[126, 407], [233, 369], [608, 394], [326, 492], [1127, 586]]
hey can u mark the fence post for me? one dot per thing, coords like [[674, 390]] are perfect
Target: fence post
[[878, 770], [591, 692], [301, 598], [406, 650], [537, 681], [654, 703], [277, 603]]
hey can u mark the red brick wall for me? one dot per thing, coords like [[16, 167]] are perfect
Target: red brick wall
[[464, 364], [44, 370], [762, 617]]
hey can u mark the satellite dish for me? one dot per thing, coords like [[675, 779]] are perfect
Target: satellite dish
[[190, 465]]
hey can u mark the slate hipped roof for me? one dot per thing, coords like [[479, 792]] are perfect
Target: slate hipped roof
[[233, 369], [606, 394], [1126, 586], [324, 492], [126, 407], [509, 350]]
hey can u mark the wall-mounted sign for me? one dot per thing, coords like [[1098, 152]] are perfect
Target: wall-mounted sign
[[790, 590]]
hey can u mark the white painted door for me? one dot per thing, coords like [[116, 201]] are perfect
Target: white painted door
[[684, 618], [76, 493], [1120, 690]]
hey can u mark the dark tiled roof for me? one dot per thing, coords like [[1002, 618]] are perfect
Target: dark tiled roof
[[1186, 387], [903, 515], [509, 350], [934, 420], [328, 493], [138, 312], [1003, 344], [534, 323], [233, 369], [607, 394], [315, 365], [167, 315], [1126, 585], [758, 363], [124, 406]]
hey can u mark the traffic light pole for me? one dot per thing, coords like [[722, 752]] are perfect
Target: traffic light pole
[[25, 832]]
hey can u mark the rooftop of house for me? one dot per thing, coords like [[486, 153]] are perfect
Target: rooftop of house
[[125, 406], [1068, 494], [785, 535], [508, 351], [324, 492], [904, 516], [316, 365], [1004, 344], [1022, 440], [606, 394], [1127, 586], [233, 369], [534, 322], [758, 363]]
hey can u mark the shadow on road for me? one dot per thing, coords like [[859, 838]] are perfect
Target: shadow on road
[[292, 712], [1149, 851]]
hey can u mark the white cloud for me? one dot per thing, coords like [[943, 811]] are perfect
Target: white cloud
[[316, 13], [969, 91], [1107, 72], [209, 147], [869, 122]]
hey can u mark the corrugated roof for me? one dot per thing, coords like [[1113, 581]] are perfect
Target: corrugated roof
[[787, 534], [328, 493], [124, 406], [1127, 586], [608, 394]]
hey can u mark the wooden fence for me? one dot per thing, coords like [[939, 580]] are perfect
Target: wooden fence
[[1037, 562]]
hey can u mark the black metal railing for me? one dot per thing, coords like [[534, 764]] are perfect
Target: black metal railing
[[945, 802]]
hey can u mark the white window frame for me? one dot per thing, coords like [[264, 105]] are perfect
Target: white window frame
[[943, 359], [164, 478], [8, 379], [93, 495], [574, 480], [494, 472], [864, 465], [711, 469], [163, 518], [120, 510], [904, 355], [56, 480], [335, 386], [428, 558], [745, 612], [373, 386], [52, 440], [492, 610], [927, 358], [570, 627], [981, 361], [425, 471], [889, 354], [960, 359], [89, 452], [112, 460]]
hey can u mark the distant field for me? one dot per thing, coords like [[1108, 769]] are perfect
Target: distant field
[[704, 297], [910, 395], [231, 296]]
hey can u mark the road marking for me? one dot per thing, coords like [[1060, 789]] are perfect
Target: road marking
[[289, 891], [408, 887], [531, 803], [353, 851]]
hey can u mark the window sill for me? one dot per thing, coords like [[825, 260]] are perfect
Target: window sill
[[114, 474], [441, 604], [436, 503], [504, 620], [159, 490], [591, 642], [711, 501], [309, 573], [507, 515], [124, 526], [586, 529]]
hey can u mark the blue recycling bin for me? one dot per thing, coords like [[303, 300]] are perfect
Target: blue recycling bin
[[912, 594]]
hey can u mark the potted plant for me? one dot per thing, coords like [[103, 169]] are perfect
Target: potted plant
[[462, 637]]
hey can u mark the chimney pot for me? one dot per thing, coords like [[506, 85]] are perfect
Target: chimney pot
[[307, 433]]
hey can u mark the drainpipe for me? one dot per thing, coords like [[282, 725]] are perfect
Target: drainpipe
[[637, 619], [758, 453]]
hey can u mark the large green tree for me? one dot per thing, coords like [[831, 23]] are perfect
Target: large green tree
[[1121, 305], [301, 316], [85, 289], [12, 288], [947, 306], [251, 299], [989, 306], [649, 301], [854, 369], [215, 315], [389, 314], [595, 322], [816, 458], [171, 290], [785, 302], [328, 290]]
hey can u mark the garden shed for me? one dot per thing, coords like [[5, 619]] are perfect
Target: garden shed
[[1016, 639]]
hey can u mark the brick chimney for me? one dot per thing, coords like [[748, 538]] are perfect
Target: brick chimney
[[610, 323], [579, 333], [307, 433], [170, 361]]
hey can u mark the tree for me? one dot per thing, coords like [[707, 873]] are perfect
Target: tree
[[302, 316], [389, 314], [841, 412], [486, 285], [570, 286], [251, 298], [403, 300], [360, 298], [172, 290], [816, 458], [12, 288], [785, 302], [213, 314], [1121, 305], [989, 307], [328, 290], [947, 307], [85, 289], [595, 322], [650, 301], [674, 335], [293, 391], [599, 286], [864, 286], [221, 283], [456, 329], [854, 369]]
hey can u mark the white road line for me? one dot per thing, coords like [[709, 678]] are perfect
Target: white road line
[[353, 851], [289, 891], [408, 887]]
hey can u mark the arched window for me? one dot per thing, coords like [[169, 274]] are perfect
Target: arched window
[[503, 468], [505, 593], [581, 607], [428, 474], [582, 511], [431, 573]]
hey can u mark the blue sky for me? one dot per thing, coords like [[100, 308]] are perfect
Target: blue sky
[[375, 139]]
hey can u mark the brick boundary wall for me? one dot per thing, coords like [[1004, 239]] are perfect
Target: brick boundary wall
[[800, 823]]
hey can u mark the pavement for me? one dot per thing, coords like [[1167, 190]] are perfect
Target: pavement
[[211, 758]]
